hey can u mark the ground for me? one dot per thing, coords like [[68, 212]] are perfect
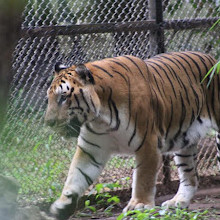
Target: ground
[[207, 198]]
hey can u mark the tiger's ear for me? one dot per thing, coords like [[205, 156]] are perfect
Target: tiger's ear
[[58, 67], [84, 73]]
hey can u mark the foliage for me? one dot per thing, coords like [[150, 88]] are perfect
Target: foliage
[[36, 162], [216, 68], [211, 73], [163, 214], [102, 199]]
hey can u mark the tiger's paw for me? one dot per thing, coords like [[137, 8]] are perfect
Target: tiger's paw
[[137, 204], [181, 203], [64, 207]]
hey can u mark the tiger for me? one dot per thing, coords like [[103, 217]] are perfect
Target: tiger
[[129, 106]]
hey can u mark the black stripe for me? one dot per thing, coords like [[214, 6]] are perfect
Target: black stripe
[[183, 85], [93, 105], [134, 132], [201, 59], [208, 110], [218, 146], [192, 117], [158, 87], [84, 99], [77, 100], [171, 118], [171, 83], [94, 132], [181, 165], [185, 70], [105, 71], [125, 67], [90, 143], [116, 58], [88, 179], [142, 142], [120, 74], [109, 105], [188, 65], [170, 69], [85, 117], [211, 59], [183, 155], [103, 89], [135, 65], [157, 110], [188, 170], [176, 76], [196, 64], [196, 100], [171, 145], [127, 80], [129, 102], [167, 58], [213, 99], [182, 181], [199, 120], [182, 118], [159, 143], [95, 163], [116, 117], [76, 108]]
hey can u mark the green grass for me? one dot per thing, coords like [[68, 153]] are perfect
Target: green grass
[[37, 158], [163, 214]]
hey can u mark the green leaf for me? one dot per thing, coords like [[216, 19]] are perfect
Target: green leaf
[[114, 199], [99, 187], [87, 202], [36, 146]]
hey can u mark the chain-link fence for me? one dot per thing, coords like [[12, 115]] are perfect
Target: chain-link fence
[[79, 31]]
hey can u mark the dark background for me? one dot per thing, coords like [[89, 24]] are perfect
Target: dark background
[[10, 23]]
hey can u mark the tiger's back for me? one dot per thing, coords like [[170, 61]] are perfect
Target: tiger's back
[[185, 102]]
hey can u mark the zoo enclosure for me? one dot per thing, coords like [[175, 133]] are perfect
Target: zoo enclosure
[[80, 31]]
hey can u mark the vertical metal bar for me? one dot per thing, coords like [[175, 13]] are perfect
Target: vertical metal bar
[[156, 36], [153, 34], [160, 31], [156, 47]]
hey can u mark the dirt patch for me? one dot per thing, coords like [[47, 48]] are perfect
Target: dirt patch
[[207, 198]]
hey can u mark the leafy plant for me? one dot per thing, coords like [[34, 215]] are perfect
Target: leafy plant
[[163, 214]]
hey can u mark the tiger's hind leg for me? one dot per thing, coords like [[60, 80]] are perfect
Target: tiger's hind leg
[[185, 160], [218, 148]]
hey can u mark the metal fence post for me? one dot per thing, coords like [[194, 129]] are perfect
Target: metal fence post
[[156, 36], [156, 47]]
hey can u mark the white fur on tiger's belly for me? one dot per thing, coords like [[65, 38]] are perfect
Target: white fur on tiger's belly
[[194, 133]]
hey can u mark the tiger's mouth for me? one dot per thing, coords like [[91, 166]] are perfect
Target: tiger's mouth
[[68, 129]]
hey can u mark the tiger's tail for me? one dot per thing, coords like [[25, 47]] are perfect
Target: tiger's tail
[[218, 148]]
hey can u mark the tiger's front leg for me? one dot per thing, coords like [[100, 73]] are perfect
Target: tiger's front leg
[[84, 169], [144, 177]]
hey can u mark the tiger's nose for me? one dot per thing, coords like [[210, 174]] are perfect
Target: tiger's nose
[[50, 122]]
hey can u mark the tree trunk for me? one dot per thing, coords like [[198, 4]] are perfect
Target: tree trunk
[[10, 23]]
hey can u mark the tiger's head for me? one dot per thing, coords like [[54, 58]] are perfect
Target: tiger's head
[[72, 99]]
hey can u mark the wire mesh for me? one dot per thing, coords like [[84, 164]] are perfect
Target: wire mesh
[[34, 155]]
